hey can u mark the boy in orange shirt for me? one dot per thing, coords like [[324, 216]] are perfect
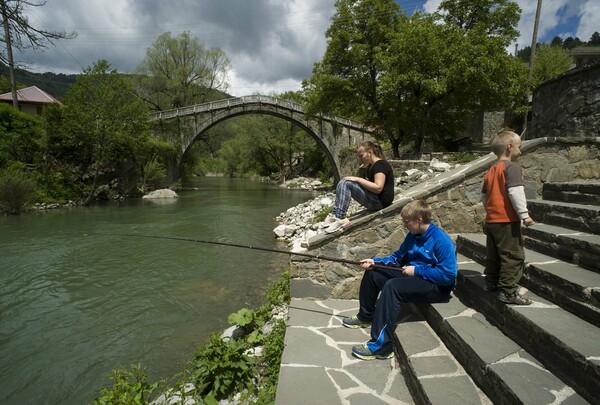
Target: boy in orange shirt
[[506, 207]]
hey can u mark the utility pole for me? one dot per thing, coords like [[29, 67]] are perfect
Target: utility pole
[[532, 56], [9, 54]]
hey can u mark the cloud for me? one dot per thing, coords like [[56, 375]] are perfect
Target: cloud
[[588, 23], [272, 44]]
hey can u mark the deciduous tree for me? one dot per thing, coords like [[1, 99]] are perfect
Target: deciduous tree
[[180, 71], [105, 123], [550, 61], [347, 81]]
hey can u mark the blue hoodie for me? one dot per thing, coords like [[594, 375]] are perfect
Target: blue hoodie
[[433, 254]]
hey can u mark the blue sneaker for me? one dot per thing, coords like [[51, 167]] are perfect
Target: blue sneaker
[[353, 323], [363, 352]]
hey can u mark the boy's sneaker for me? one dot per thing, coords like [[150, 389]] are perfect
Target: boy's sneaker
[[363, 352], [490, 287], [353, 323], [337, 225], [514, 298]]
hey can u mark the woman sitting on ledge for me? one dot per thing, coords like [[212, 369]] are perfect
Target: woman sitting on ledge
[[374, 192]]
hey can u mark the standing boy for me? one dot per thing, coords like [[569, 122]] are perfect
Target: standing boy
[[426, 272], [506, 207]]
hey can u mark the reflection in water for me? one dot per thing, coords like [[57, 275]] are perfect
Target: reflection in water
[[78, 299]]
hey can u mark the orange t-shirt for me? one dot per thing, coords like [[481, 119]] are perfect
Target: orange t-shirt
[[503, 175]]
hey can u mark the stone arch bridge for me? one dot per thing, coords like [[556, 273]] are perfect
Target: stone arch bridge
[[184, 126]]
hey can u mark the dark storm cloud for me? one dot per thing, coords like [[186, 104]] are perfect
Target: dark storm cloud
[[268, 41]]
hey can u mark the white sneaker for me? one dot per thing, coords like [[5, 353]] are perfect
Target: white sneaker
[[339, 224], [329, 219]]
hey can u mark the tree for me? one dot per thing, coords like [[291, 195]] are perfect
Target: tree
[[594, 39], [419, 77], [180, 71], [571, 42], [550, 61], [19, 33], [21, 137], [347, 81], [556, 41], [104, 122]]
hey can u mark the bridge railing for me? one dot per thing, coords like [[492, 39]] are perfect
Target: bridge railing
[[233, 102]]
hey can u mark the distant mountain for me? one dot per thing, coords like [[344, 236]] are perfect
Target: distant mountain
[[57, 84], [52, 83]]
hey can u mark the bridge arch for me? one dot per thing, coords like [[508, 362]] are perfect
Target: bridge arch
[[333, 134]]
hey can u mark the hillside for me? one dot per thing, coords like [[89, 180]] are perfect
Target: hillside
[[52, 83], [57, 84]]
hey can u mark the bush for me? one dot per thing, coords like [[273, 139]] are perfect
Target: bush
[[273, 349], [16, 190], [154, 175], [129, 387], [221, 368], [462, 157]]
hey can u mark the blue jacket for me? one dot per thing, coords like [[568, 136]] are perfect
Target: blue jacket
[[433, 254]]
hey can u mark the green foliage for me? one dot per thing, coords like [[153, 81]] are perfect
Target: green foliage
[[56, 185], [104, 125], [416, 78], [180, 71], [21, 137], [17, 188], [129, 388], [154, 174], [550, 62], [279, 291], [261, 145], [244, 318], [322, 214], [221, 368], [273, 349], [462, 157]]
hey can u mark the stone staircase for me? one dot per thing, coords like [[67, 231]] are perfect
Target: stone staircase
[[489, 352]]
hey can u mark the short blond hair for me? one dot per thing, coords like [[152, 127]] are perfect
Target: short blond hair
[[415, 209], [503, 138]]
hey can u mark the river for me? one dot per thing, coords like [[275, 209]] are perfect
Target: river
[[78, 298]]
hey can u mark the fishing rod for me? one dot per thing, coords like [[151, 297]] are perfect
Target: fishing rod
[[209, 242]]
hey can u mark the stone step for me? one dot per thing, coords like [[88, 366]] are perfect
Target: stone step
[[431, 372], [565, 344], [583, 217], [565, 284], [496, 363], [587, 192], [580, 248]]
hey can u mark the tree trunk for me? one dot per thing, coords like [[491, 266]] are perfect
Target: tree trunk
[[9, 54]]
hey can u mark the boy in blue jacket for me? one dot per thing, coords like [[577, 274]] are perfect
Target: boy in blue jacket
[[426, 272]]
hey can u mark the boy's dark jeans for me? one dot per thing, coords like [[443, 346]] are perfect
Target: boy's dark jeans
[[505, 255], [395, 290]]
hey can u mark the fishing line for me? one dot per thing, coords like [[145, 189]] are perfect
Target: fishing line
[[209, 242]]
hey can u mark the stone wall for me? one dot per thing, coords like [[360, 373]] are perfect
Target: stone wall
[[568, 105], [455, 198]]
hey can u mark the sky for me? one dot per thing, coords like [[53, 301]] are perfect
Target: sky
[[272, 44]]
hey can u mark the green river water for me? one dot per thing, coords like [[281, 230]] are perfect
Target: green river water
[[78, 299]]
